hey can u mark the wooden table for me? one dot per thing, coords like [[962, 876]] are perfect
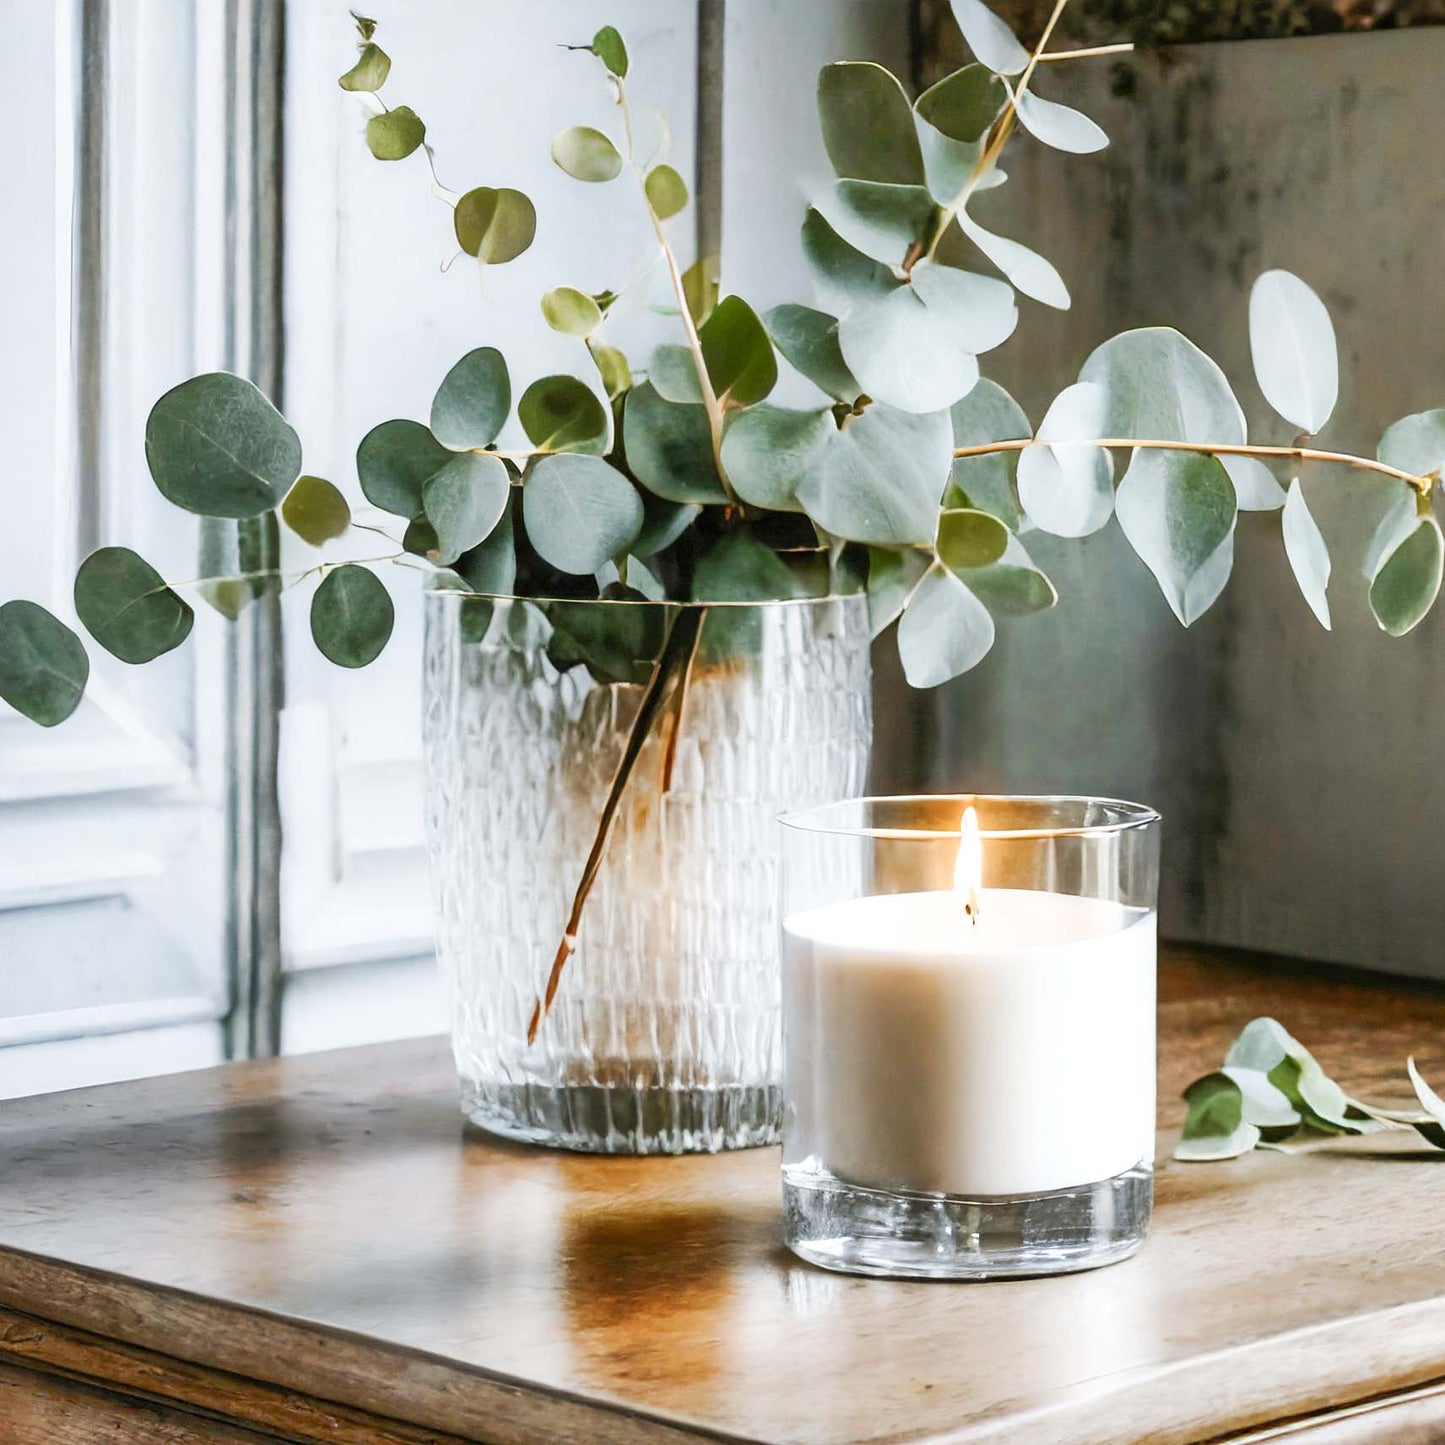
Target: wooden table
[[315, 1250]]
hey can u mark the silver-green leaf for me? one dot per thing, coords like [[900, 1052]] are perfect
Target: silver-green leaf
[[1407, 581], [1292, 341], [1059, 126], [767, 450], [989, 38], [1309, 558], [473, 401], [127, 607], [867, 123], [669, 447], [464, 501], [808, 340], [43, 666], [351, 616], [580, 512], [944, 631]]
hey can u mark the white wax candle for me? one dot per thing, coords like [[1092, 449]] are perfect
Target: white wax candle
[[1014, 1056]]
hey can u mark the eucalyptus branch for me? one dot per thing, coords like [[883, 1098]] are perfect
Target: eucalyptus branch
[[694, 343], [1423, 485], [1088, 52], [999, 132]]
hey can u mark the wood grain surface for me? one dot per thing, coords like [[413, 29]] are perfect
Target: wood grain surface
[[317, 1245]]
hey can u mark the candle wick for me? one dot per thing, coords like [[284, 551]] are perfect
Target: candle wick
[[970, 906]]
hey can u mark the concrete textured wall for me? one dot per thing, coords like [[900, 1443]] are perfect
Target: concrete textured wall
[[1297, 770]]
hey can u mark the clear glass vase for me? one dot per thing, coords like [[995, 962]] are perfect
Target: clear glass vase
[[664, 1035]]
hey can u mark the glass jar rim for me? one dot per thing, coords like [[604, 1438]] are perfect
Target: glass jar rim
[[1120, 816], [672, 603]]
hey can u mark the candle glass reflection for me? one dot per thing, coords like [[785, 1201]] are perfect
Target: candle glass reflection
[[968, 1025]]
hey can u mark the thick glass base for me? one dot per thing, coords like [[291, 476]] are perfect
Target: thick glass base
[[939, 1236], [608, 1120]]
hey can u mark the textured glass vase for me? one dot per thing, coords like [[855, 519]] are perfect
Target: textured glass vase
[[665, 1035]]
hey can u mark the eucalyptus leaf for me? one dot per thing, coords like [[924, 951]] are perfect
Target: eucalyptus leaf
[[43, 666], [808, 340], [738, 568], [1262, 1102], [669, 447], [491, 567], [473, 401], [351, 616], [580, 512], [495, 224], [737, 352], [989, 38], [394, 462], [587, 154], [674, 373], [767, 451], [217, 447], [1013, 586], [612, 367], [988, 414], [699, 288], [944, 631], [1214, 1125], [878, 479], [662, 524], [882, 220], [563, 414], [395, 134], [1255, 486], [608, 47], [1292, 341], [916, 347], [617, 644], [1416, 444], [569, 310], [1407, 583], [1309, 558], [369, 73], [464, 501], [1059, 126], [1159, 386], [315, 510], [867, 123], [892, 576], [1178, 510], [666, 191], [968, 538], [1266, 1047], [843, 276], [1066, 488], [953, 117], [1026, 269], [420, 539]]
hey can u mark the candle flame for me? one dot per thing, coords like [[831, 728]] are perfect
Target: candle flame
[[968, 871]]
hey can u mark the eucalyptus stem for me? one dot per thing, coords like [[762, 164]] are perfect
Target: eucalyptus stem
[[694, 343], [999, 132], [1423, 485]]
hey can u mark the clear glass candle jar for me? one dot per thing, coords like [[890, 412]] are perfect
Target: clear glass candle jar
[[968, 1024]]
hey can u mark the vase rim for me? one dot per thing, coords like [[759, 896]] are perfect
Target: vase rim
[[671, 603], [1074, 815]]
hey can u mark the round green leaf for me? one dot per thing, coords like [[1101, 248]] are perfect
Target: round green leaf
[[669, 447], [217, 447], [315, 510], [420, 539], [1292, 341], [878, 479], [472, 403], [351, 616], [674, 373], [495, 224], [739, 568], [1408, 580], [562, 414], [43, 666], [127, 607], [1178, 511], [1215, 1126], [1012, 586], [883, 221], [607, 46], [1416, 444], [663, 523], [867, 123], [395, 134], [739, 356], [586, 154], [666, 191], [464, 501], [612, 367], [580, 512], [970, 538], [808, 340], [372, 67], [944, 631], [394, 462], [571, 311], [842, 275], [767, 451], [989, 37], [699, 288]]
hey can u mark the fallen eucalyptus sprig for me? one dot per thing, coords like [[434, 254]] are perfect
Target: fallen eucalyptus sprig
[[1271, 1092]]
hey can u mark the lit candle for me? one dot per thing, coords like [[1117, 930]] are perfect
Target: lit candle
[[970, 1041]]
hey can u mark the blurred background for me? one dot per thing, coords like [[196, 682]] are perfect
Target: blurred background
[[190, 190]]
